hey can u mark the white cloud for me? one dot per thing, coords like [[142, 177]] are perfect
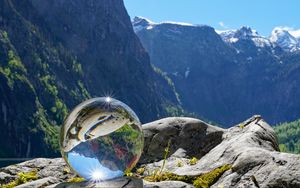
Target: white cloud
[[223, 25], [295, 33], [291, 30]]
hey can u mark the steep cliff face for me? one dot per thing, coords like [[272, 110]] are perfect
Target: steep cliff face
[[100, 35], [39, 80], [225, 77], [54, 54]]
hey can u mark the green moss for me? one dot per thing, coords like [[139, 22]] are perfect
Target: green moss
[[202, 181], [23, 177], [193, 161], [76, 180], [169, 177], [208, 179]]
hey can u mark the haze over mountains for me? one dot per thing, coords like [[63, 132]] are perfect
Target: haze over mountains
[[227, 76]]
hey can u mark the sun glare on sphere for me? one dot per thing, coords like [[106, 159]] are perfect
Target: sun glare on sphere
[[108, 99], [97, 175]]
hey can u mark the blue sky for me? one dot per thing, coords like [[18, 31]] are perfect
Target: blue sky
[[261, 15]]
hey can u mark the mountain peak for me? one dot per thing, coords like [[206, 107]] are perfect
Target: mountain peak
[[283, 38], [139, 23], [245, 32]]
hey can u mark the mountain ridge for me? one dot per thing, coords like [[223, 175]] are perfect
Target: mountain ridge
[[235, 79], [228, 35]]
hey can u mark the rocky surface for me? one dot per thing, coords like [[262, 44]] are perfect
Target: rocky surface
[[249, 148], [188, 138]]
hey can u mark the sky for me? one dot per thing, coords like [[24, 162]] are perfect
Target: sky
[[261, 15]]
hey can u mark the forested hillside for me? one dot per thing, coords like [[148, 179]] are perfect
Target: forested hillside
[[54, 54], [289, 136]]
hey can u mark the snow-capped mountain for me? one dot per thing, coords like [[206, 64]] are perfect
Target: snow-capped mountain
[[287, 40], [244, 33], [139, 23], [238, 72]]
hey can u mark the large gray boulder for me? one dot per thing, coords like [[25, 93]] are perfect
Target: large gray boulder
[[249, 151], [188, 137]]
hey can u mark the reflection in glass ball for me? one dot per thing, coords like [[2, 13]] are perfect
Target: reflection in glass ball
[[101, 139]]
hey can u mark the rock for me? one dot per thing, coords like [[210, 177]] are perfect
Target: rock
[[188, 138], [5, 178], [39, 183], [251, 149], [245, 155], [48, 172], [125, 182], [173, 184]]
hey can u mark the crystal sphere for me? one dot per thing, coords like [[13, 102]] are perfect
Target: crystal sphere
[[101, 139]]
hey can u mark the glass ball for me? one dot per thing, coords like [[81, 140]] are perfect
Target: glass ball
[[101, 139]]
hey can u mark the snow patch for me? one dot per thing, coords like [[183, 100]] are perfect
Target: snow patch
[[283, 37], [177, 23], [187, 72], [246, 33], [139, 23]]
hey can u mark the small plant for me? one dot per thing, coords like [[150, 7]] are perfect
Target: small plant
[[128, 173], [140, 170], [193, 161], [179, 164], [66, 170], [167, 150], [241, 126]]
